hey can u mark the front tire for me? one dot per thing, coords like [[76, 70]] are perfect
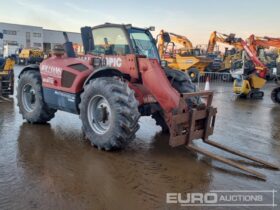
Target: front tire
[[109, 113], [30, 98], [275, 95], [194, 74]]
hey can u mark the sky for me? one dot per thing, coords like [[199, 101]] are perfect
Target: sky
[[195, 19]]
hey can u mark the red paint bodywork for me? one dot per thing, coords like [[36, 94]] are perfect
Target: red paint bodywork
[[63, 63], [154, 87]]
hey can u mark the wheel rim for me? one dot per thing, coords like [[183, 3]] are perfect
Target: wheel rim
[[28, 97], [224, 77], [192, 75], [99, 114]]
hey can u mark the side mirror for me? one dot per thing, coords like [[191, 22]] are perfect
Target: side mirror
[[1, 35], [166, 37], [163, 63]]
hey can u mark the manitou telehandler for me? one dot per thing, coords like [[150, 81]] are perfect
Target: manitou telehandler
[[119, 79]]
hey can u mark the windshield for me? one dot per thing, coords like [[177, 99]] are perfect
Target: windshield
[[143, 43], [196, 52], [110, 41]]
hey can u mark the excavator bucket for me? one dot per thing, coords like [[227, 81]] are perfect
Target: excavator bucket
[[198, 123]]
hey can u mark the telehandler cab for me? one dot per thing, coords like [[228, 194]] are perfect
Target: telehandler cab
[[119, 79]]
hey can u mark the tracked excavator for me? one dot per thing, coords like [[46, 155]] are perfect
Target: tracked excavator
[[230, 55], [119, 79], [180, 54]]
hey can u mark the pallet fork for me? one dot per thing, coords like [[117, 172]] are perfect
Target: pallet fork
[[201, 126]]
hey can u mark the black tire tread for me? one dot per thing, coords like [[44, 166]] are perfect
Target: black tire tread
[[126, 106], [274, 94], [44, 113]]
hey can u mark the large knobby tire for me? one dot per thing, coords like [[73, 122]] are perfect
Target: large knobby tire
[[194, 74], [275, 95], [109, 113], [183, 84], [30, 98]]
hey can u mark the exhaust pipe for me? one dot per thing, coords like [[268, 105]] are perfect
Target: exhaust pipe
[[87, 39], [68, 47]]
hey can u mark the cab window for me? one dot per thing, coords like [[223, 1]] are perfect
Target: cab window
[[110, 41]]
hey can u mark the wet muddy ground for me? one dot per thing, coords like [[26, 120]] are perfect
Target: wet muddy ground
[[52, 167]]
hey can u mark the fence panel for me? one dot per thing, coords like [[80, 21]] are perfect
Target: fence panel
[[218, 81]]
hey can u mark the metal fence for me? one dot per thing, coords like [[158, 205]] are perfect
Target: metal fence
[[217, 81], [223, 82]]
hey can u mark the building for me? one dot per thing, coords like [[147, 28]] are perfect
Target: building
[[25, 36], [52, 37]]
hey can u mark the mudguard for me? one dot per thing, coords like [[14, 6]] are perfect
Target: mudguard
[[35, 67], [105, 72]]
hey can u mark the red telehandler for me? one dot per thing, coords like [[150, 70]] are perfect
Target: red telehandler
[[119, 79]]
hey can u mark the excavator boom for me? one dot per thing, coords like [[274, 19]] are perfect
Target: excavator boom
[[179, 53], [266, 42], [223, 38]]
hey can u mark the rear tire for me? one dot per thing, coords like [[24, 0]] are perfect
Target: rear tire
[[30, 98], [109, 113]]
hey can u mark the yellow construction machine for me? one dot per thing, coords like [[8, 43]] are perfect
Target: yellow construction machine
[[254, 43], [230, 55], [6, 75], [250, 73], [30, 56], [245, 66], [179, 54]]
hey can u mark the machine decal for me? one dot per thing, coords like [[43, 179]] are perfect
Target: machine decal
[[51, 71], [110, 61], [114, 62], [48, 80]]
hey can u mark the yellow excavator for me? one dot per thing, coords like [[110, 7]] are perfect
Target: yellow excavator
[[179, 54], [230, 55], [6, 75]]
